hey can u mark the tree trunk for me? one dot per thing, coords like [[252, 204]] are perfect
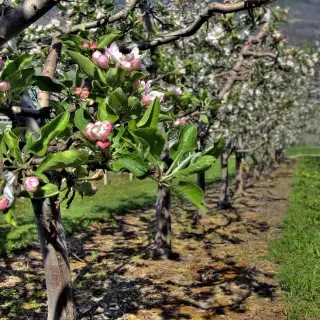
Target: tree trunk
[[224, 202], [247, 178], [55, 260], [256, 171], [162, 247], [239, 174]]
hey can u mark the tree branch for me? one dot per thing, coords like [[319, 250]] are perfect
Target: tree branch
[[15, 20], [122, 14], [204, 16]]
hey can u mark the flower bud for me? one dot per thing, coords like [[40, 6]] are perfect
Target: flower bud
[[78, 91], [85, 93], [85, 45], [147, 100], [4, 86], [136, 85], [103, 62], [98, 175], [93, 45], [3, 203], [87, 131], [31, 184], [100, 145], [101, 130], [1, 64], [96, 55], [94, 188]]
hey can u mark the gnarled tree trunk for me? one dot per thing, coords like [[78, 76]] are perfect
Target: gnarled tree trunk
[[55, 260], [256, 171], [239, 174]]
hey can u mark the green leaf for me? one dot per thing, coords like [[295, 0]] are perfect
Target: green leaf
[[217, 148], [48, 133], [106, 40], [204, 119], [13, 69], [84, 63], [64, 159], [81, 118], [135, 107], [12, 142], [71, 37], [133, 163], [191, 192], [153, 139], [202, 164], [115, 77], [135, 76], [150, 118], [8, 216], [187, 143], [46, 191], [46, 84], [118, 100], [105, 112], [85, 189]]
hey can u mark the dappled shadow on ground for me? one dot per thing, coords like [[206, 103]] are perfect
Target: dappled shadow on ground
[[222, 272]]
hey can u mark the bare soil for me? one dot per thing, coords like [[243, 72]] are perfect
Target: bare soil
[[223, 270]]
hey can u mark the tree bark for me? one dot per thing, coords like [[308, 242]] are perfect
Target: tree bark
[[224, 202], [247, 178], [239, 174], [162, 246], [256, 171], [55, 260]]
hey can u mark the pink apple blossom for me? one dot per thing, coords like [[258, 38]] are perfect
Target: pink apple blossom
[[94, 188], [3, 203], [85, 93], [78, 91], [103, 62], [102, 145], [31, 184], [4, 86], [150, 96], [98, 131], [85, 45], [95, 56]]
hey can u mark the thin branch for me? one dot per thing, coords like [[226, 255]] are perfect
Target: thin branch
[[205, 15], [122, 14]]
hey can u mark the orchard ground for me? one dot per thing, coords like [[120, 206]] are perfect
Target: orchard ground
[[225, 270]]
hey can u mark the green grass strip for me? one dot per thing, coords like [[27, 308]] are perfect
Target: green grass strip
[[298, 250]]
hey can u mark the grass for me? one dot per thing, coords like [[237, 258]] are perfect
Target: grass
[[298, 251], [301, 150], [116, 198]]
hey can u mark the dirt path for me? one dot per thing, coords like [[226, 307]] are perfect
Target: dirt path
[[223, 271]]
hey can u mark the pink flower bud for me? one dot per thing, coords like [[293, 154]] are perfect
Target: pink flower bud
[[147, 101], [103, 62], [96, 55], [85, 45], [85, 93], [136, 85], [94, 188], [31, 184], [101, 130], [3, 203], [78, 91], [1, 64], [93, 45], [4, 86], [87, 131], [102, 145], [135, 65]]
